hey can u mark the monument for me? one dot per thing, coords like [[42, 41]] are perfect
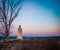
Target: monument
[[19, 34]]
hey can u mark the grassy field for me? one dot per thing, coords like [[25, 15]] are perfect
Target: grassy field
[[32, 44]]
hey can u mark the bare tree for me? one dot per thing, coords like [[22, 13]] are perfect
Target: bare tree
[[9, 10]]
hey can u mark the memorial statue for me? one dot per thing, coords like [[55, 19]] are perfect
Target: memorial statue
[[19, 36]]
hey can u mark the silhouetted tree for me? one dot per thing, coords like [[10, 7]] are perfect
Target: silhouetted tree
[[9, 10]]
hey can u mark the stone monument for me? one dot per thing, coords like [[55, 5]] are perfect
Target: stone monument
[[19, 34]]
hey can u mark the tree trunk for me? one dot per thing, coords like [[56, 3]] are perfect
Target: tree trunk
[[7, 33]]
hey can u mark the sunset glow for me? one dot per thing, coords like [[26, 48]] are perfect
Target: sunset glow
[[39, 17]]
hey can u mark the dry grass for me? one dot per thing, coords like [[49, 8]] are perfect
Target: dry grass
[[31, 44]]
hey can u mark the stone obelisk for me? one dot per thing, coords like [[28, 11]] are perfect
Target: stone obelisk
[[19, 35]]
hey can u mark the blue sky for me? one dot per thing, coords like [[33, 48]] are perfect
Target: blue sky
[[39, 17]]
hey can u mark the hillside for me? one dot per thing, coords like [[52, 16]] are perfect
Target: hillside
[[31, 44]]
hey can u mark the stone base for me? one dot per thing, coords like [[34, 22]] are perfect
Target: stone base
[[20, 38]]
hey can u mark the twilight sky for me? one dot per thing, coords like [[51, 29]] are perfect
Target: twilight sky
[[39, 17]]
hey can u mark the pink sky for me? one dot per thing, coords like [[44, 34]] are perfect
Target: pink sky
[[37, 18]]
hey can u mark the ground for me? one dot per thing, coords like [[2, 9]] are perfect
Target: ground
[[32, 44]]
